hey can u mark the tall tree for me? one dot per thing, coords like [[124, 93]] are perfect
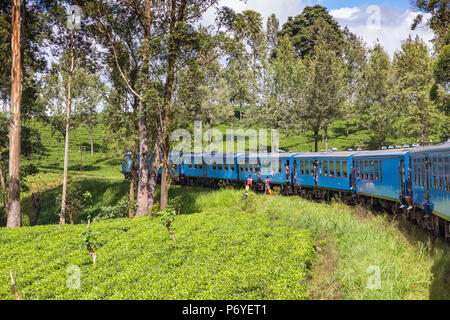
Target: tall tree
[[91, 94], [14, 133], [377, 110], [414, 78], [355, 59], [303, 31], [325, 81], [439, 21]]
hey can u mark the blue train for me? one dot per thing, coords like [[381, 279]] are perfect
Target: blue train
[[414, 182]]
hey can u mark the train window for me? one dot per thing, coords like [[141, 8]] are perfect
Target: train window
[[338, 168], [344, 169], [435, 173], [302, 171], [371, 170], [190, 165], [356, 167], [195, 166], [423, 168], [225, 166], [200, 165], [381, 171], [320, 167], [375, 170], [331, 168], [419, 172], [361, 169], [214, 165], [219, 166], [312, 167], [415, 171], [447, 174], [441, 174], [366, 169], [307, 167], [325, 168], [280, 166]]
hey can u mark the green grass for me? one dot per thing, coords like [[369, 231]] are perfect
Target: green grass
[[104, 162], [220, 253], [262, 248]]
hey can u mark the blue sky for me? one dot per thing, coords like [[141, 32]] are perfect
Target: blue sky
[[388, 22]]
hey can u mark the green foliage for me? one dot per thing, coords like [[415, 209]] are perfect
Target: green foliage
[[276, 191], [89, 240], [167, 216], [302, 29], [224, 253], [441, 67], [25, 220], [74, 201], [118, 211]]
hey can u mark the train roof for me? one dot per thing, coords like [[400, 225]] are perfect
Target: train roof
[[334, 154], [267, 155], [383, 153], [440, 148]]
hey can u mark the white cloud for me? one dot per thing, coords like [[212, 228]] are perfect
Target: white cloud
[[389, 25], [394, 26], [345, 13], [281, 8]]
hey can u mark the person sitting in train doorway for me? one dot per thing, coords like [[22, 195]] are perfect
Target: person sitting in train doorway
[[427, 206], [409, 200], [286, 171], [402, 200], [352, 183], [259, 172], [249, 181], [267, 186]]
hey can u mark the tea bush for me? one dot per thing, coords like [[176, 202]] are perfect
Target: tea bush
[[218, 254]]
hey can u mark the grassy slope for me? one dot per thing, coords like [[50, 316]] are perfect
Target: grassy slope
[[220, 253], [256, 249], [411, 265]]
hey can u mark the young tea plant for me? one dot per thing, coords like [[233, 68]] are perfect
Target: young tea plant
[[89, 242], [167, 217]]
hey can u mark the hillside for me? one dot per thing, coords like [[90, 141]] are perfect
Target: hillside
[[262, 248]]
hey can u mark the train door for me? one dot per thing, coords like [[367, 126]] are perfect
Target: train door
[[204, 167], [316, 172], [402, 177], [409, 180]]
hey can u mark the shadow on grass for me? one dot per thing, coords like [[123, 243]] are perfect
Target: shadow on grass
[[104, 193], [436, 248]]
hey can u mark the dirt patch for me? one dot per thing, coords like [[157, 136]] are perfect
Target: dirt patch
[[324, 285]]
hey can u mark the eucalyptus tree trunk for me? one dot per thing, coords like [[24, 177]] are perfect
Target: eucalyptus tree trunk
[[62, 216], [92, 138], [4, 190], [13, 219], [143, 187], [156, 161], [316, 139]]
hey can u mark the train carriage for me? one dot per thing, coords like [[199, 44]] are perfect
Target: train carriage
[[430, 179], [323, 170], [382, 174], [419, 178], [272, 166]]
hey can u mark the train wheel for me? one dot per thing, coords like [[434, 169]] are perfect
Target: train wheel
[[435, 225], [447, 230]]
